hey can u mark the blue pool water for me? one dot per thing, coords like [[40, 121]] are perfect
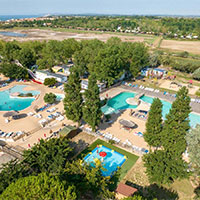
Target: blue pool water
[[8, 103], [119, 103], [110, 162]]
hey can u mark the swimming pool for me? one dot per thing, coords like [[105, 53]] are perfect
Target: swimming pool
[[110, 162], [119, 103], [8, 103]]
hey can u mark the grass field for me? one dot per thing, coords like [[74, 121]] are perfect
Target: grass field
[[186, 60], [127, 164]]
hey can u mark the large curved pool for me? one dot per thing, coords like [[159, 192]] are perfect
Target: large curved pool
[[119, 103], [8, 103]]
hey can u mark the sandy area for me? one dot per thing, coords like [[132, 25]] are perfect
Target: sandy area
[[30, 123], [190, 46], [38, 34], [115, 128], [167, 85]]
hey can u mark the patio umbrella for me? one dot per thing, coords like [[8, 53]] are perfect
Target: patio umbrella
[[127, 123], [10, 114]]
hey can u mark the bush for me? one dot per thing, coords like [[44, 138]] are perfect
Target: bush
[[196, 74], [198, 93], [50, 81], [50, 98]]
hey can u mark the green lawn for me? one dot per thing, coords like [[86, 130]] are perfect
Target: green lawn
[[127, 164]]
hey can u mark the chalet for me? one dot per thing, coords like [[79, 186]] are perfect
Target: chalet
[[41, 75], [84, 85], [153, 72], [124, 191], [63, 69]]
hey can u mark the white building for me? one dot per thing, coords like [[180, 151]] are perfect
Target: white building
[[84, 85], [41, 75]]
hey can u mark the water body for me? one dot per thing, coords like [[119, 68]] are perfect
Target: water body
[[8, 17], [12, 34]]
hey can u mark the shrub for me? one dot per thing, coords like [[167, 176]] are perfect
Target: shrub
[[50, 98], [50, 81], [196, 74]]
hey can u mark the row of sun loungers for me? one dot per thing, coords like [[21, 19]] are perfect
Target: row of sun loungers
[[44, 107], [57, 115], [135, 148], [147, 89], [140, 115], [12, 135], [195, 100]]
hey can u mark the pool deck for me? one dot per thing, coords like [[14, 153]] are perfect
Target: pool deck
[[30, 123]]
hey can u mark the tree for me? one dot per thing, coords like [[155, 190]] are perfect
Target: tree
[[92, 105], [50, 98], [135, 197], [193, 142], [164, 168], [13, 71], [154, 59], [47, 156], [50, 81], [108, 65], [196, 74], [154, 124], [10, 51], [43, 187], [177, 125], [88, 180], [167, 165], [26, 57], [73, 97], [10, 172], [139, 59]]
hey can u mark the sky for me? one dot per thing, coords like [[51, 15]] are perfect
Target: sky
[[129, 7]]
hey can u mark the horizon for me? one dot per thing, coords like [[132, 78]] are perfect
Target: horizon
[[111, 7]]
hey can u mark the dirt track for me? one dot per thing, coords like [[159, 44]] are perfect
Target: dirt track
[[190, 46], [38, 34]]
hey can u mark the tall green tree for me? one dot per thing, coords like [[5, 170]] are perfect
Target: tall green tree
[[92, 105], [73, 98], [177, 124], [154, 124], [163, 167], [167, 165], [43, 187], [193, 143], [140, 59]]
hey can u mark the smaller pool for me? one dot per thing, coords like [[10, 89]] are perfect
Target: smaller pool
[[60, 97], [110, 162], [7, 102]]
